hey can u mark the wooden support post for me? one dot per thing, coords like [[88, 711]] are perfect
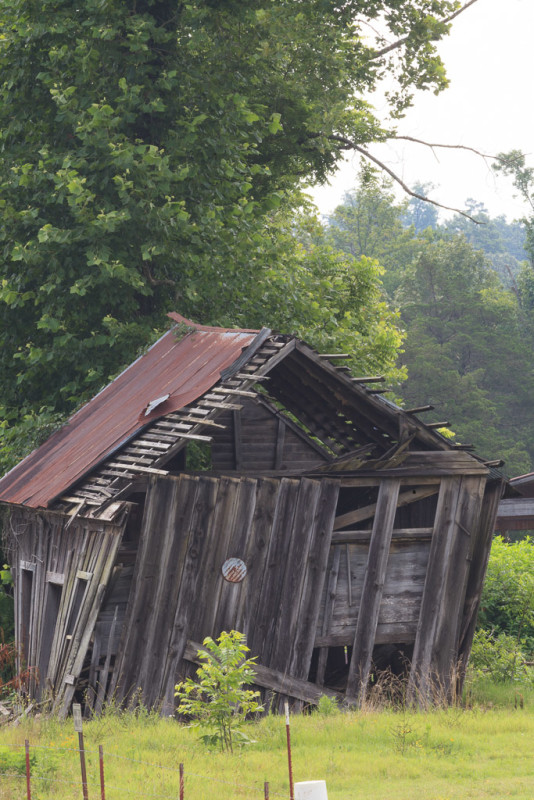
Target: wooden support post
[[182, 784], [479, 555], [437, 639], [328, 611], [77, 713], [28, 779], [101, 764], [289, 761], [373, 584]]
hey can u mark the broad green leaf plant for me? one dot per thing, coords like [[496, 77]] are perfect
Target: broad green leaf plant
[[217, 700]]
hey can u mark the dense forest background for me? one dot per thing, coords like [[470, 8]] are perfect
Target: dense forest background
[[464, 294]]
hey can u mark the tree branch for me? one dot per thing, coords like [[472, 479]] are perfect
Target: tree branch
[[155, 281], [444, 146], [404, 39], [347, 144]]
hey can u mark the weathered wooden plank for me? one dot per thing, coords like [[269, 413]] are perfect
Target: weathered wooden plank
[[328, 607], [256, 555], [287, 609], [275, 680], [436, 646], [104, 674], [353, 537], [480, 552], [143, 617], [229, 593], [386, 633], [219, 534], [172, 504], [361, 514], [315, 574], [102, 569], [360, 663], [187, 598], [448, 623], [261, 639], [220, 404]]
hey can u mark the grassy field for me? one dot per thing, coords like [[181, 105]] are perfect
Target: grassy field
[[486, 751]]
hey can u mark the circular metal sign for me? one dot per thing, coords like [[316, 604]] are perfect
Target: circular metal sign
[[234, 570]]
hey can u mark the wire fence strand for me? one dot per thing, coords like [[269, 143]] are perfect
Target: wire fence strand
[[256, 791]]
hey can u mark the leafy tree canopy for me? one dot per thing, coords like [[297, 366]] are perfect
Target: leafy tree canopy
[[144, 150]]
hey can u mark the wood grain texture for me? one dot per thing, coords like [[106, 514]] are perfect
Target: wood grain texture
[[375, 574]]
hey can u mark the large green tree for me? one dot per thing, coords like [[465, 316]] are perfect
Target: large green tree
[[143, 144]]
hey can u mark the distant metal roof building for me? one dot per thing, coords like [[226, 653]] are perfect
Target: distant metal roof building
[[174, 372]]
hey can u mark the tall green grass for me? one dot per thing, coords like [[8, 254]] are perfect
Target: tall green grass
[[483, 751]]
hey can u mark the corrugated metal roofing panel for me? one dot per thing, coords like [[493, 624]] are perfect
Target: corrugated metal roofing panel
[[184, 369]]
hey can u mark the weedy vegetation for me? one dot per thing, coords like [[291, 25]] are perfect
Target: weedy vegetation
[[218, 699], [480, 750]]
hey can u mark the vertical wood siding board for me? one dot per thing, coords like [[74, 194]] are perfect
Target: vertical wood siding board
[[445, 647], [103, 675], [256, 552], [58, 640], [328, 602], [70, 647], [230, 593], [220, 531], [314, 577], [94, 589], [94, 669], [300, 535], [269, 606], [440, 548], [139, 609], [63, 647], [167, 568], [34, 599], [67, 600], [65, 696], [188, 599], [189, 487], [479, 562], [39, 584], [178, 524], [87, 621], [373, 584]]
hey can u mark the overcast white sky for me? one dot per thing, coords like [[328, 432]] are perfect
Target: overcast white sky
[[488, 105]]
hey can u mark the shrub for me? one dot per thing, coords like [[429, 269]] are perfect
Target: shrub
[[507, 605], [499, 656], [218, 700]]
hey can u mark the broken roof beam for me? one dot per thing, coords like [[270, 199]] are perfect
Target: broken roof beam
[[370, 379], [376, 411], [294, 372]]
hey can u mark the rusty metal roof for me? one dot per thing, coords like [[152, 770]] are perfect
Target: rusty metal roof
[[170, 375]]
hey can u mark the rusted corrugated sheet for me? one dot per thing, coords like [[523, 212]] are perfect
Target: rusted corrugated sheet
[[184, 369]]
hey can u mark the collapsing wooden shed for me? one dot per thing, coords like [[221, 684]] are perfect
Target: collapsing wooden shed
[[337, 531]]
